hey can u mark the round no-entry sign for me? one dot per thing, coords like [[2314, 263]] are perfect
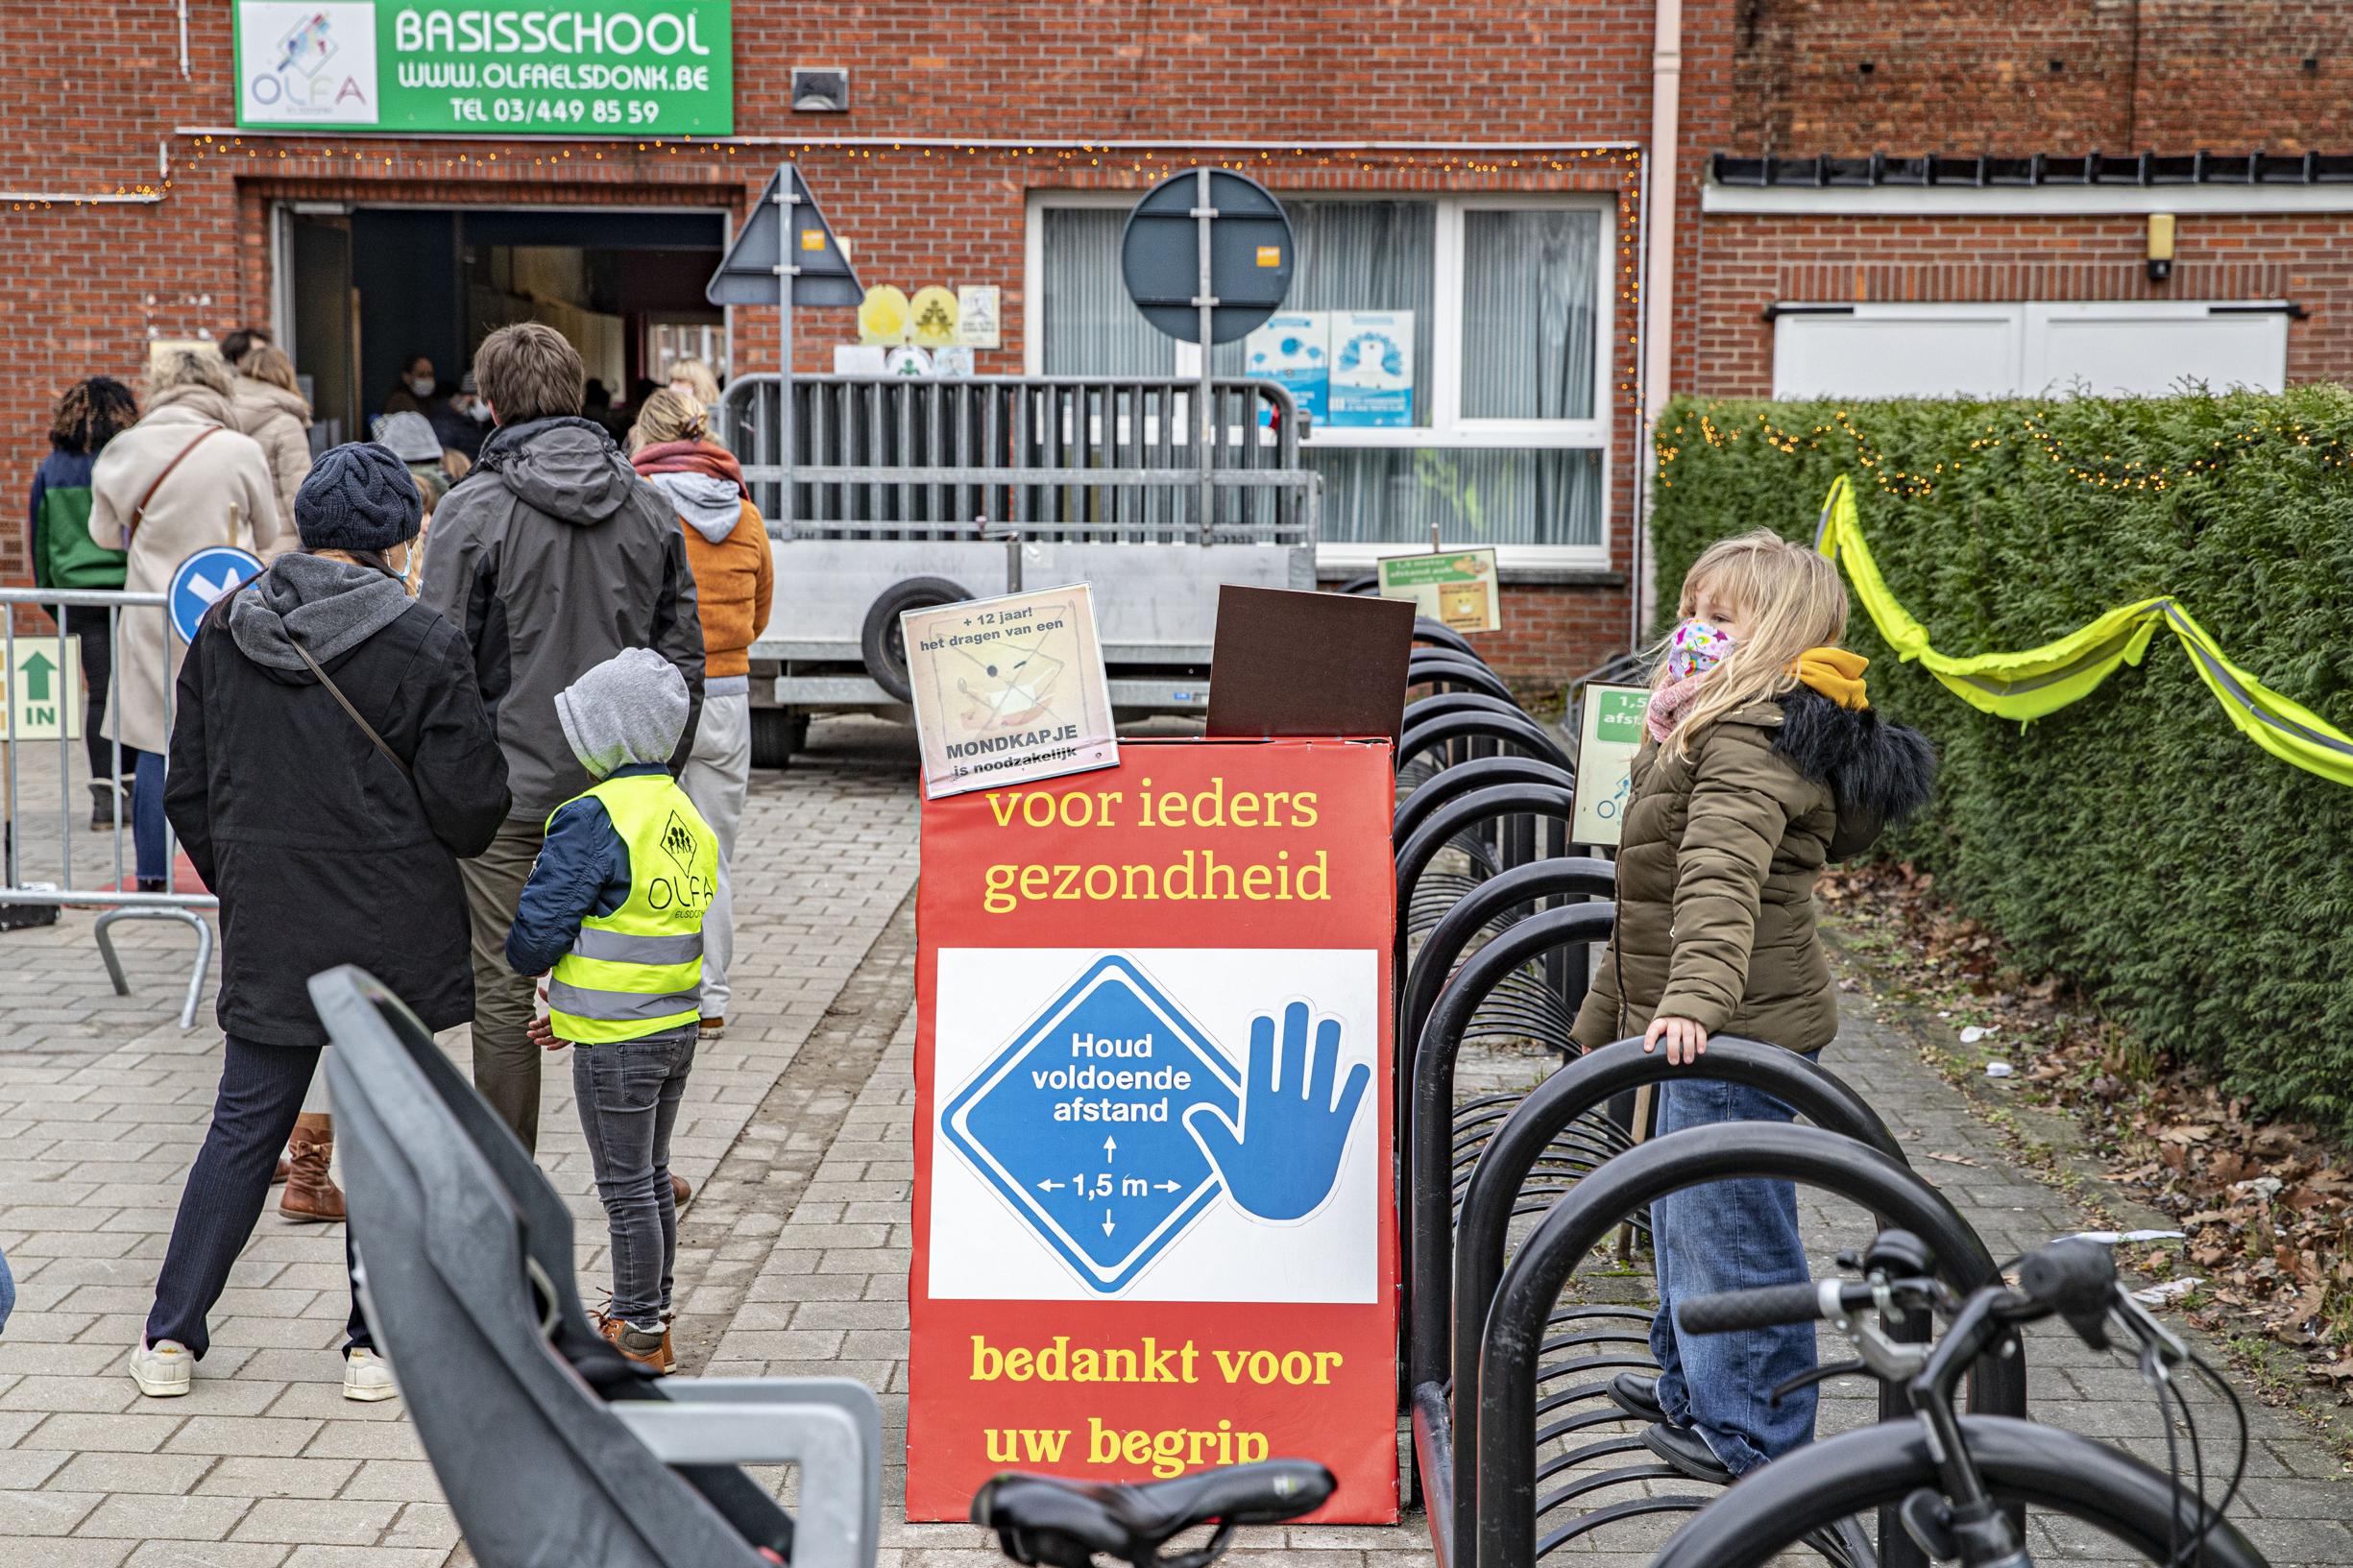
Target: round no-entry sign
[[203, 577], [1250, 255]]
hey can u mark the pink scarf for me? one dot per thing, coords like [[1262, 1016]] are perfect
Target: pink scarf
[[1668, 703]]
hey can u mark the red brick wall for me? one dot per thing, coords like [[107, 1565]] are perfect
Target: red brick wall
[[91, 285], [1994, 76], [1553, 632], [1748, 262]]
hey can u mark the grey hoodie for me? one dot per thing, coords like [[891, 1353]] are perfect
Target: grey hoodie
[[711, 504], [629, 710], [331, 606], [551, 557]]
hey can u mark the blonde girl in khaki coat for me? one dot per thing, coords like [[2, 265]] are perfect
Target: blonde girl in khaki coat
[[182, 479]]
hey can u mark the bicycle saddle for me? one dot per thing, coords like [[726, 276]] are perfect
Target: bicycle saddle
[[1039, 1520]]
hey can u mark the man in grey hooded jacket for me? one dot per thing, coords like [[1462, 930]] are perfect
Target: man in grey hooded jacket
[[551, 557]]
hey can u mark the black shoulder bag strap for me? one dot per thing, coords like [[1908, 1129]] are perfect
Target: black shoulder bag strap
[[344, 703]]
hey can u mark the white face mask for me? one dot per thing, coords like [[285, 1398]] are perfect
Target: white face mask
[[421, 385], [480, 413]]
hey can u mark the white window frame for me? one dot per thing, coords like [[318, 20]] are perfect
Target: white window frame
[[1447, 429]]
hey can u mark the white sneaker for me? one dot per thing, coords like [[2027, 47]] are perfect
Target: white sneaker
[[162, 1370], [367, 1377]]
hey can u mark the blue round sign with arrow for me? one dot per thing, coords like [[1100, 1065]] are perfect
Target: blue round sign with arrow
[[203, 577]]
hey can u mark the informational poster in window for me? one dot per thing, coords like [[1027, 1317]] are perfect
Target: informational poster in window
[[1153, 1206], [1373, 368], [1007, 690], [1293, 349], [1608, 733], [590, 68], [1457, 588], [976, 316]]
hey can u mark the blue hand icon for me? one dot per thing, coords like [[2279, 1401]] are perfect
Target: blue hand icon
[[1283, 1160]]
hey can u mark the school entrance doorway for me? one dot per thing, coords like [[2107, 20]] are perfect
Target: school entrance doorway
[[365, 291]]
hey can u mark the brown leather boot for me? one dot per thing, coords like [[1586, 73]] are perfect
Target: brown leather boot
[[636, 1344], [310, 1193], [681, 1190], [286, 1169]]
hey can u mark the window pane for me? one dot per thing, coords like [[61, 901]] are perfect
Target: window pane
[[1363, 256], [1389, 495], [1531, 286], [1091, 327]]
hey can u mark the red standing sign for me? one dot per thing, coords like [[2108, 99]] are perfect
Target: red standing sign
[[1152, 1165]]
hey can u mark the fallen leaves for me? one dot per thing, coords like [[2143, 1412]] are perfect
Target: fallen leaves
[[2269, 1205]]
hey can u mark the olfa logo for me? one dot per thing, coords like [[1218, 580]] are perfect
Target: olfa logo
[[309, 62], [678, 841], [686, 889]]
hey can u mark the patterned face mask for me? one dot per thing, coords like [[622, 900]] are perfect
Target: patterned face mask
[[1697, 648]]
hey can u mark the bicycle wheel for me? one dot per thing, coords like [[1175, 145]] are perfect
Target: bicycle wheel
[[1857, 1472]]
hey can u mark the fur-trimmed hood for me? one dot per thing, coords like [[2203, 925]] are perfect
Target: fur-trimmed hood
[[1878, 773]]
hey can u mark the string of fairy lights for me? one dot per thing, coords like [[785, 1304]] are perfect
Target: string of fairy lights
[[236, 156], [2029, 427]]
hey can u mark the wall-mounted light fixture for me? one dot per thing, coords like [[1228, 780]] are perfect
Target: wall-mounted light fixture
[[2160, 247], [818, 90]]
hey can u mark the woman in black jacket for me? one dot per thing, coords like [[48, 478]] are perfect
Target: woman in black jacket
[[328, 844]]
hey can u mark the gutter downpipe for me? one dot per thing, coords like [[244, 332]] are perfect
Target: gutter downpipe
[[1658, 282]]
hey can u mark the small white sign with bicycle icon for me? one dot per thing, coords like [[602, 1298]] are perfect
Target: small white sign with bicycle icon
[[1168, 1124]]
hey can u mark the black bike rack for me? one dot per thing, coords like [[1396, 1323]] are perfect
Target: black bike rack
[[1501, 902], [1503, 1511], [1464, 777], [1461, 823], [1441, 668], [1444, 1141], [1428, 710], [1432, 634], [1466, 1257], [1511, 730]]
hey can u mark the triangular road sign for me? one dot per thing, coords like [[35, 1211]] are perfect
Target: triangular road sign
[[748, 275]]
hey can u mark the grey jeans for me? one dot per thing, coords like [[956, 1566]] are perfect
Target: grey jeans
[[507, 1067], [628, 1094]]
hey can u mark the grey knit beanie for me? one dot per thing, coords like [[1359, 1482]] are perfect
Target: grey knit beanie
[[358, 497]]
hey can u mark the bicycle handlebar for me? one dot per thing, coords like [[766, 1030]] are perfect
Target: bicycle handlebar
[[2072, 1279], [1770, 1306]]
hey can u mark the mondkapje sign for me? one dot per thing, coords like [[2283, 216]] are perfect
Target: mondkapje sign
[[588, 68]]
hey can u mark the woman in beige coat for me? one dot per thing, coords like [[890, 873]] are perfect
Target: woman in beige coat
[[182, 479], [269, 406]]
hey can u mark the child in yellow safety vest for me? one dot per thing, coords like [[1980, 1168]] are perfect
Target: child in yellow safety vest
[[613, 915]]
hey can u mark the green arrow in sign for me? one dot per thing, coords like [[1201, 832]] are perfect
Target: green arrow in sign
[[38, 670]]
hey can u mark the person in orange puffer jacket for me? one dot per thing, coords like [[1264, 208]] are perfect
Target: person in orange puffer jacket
[[735, 580]]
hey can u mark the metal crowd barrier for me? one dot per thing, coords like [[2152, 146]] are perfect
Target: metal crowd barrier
[[42, 864]]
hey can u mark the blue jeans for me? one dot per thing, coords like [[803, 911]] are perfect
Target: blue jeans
[[147, 833], [8, 1291], [1729, 1235], [627, 1091]]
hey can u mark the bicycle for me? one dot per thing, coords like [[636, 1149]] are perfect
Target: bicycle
[[1960, 1482]]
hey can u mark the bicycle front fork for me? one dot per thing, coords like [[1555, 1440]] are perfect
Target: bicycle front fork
[[1976, 1534]]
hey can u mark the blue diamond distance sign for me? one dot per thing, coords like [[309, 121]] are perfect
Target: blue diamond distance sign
[[1079, 1124]]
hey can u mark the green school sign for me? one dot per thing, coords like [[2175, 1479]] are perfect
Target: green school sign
[[487, 67]]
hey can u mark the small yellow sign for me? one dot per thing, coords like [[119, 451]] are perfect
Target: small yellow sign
[[813, 239], [1269, 255]]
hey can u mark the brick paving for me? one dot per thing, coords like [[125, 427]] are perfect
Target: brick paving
[[793, 1257]]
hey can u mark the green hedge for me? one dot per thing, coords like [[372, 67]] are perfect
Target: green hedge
[[2135, 842]]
